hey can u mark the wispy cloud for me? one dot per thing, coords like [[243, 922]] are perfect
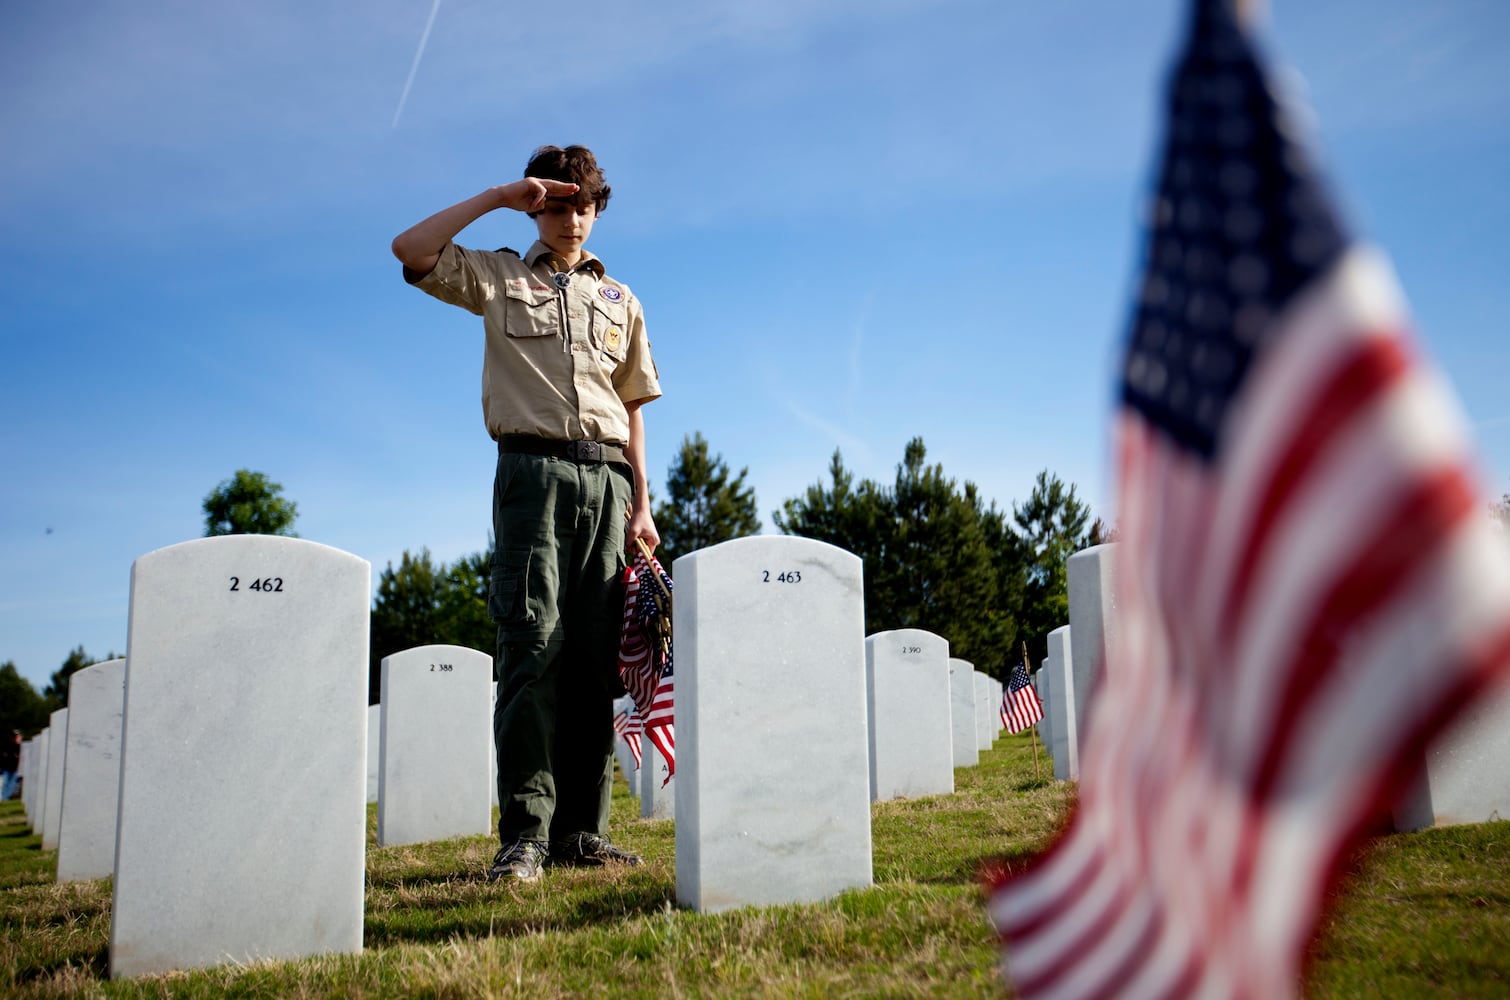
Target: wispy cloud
[[419, 54], [847, 442], [856, 356]]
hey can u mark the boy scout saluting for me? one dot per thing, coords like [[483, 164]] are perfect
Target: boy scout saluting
[[565, 371]]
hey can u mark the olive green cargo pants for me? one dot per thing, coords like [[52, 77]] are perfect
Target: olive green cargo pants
[[557, 596]]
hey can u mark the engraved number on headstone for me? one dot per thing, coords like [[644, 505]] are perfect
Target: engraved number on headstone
[[911, 650], [790, 576], [442, 667], [266, 585]]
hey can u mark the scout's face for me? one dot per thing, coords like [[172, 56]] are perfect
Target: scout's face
[[564, 227]]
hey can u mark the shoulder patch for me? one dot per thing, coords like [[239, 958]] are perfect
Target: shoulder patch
[[510, 250]]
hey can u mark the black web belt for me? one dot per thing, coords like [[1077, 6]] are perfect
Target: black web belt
[[577, 451]]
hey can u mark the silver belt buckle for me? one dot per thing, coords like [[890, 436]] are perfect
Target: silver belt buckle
[[586, 451]]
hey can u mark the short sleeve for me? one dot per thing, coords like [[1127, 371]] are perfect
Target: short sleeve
[[461, 277], [637, 378]]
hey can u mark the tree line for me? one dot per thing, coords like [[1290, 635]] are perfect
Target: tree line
[[936, 554]]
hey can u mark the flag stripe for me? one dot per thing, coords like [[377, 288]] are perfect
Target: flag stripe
[[1361, 378], [1419, 525]]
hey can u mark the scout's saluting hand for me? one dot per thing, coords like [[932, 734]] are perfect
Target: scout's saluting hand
[[529, 193], [419, 246]]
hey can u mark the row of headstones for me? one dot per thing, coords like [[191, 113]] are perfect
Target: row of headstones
[[243, 751], [243, 748], [431, 767], [1464, 776], [88, 733], [926, 714]]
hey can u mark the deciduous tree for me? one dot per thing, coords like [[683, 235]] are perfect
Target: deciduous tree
[[249, 504]]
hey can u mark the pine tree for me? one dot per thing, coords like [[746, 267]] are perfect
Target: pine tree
[[424, 602], [926, 548], [1050, 527], [21, 708], [55, 694], [940, 573], [405, 613], [704, 505]]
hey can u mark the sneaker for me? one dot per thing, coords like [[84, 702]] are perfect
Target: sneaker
[[520, 860], [589, 849]]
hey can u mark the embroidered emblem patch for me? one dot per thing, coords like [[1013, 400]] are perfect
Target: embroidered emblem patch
[[610, 293], [611, 338]]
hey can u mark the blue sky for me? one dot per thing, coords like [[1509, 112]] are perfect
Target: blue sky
[[850, 223]]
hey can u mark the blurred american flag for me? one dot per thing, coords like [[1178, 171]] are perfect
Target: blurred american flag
[[1308, 587]]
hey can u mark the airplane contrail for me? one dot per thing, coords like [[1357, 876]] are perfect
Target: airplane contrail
[[419, 54]]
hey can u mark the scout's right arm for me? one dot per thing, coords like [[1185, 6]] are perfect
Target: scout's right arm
[[419, 246]]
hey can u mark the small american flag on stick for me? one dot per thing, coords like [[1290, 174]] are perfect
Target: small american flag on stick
[[645, 651], [1020, 707], [627, 724], [1309, 587]]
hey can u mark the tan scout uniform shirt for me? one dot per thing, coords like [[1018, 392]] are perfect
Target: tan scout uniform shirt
[[558, 363]]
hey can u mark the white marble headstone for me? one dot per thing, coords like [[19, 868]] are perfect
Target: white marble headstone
[[1091, 575], [374, 745], [657, 783], [996, 699], [24, 768], [1066, 747], [962, 712], [907, 691], [57, 749], [770, 672], [1043, 684], [244, 755], [86, 839], [437, 738], [985, 727], [1465, 777], [39, 790]]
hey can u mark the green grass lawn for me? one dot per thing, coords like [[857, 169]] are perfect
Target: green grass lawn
[[1426, 915]]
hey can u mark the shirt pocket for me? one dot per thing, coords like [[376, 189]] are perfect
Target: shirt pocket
[[531, 309], [610, 331]]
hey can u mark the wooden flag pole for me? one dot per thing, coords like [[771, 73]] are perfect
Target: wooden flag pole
[[662, 598], [1034, 726]]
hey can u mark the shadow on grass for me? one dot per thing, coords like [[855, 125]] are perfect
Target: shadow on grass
[[94, 963], [1033, 784], [977, 869], [480, 911], [426, 880]]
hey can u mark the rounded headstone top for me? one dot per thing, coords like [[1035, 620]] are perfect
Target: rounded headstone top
[[273, 545]]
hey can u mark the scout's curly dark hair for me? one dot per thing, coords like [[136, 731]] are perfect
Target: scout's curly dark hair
[[575, 165]]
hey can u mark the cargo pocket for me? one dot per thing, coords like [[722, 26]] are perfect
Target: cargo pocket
[[508, 590]]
